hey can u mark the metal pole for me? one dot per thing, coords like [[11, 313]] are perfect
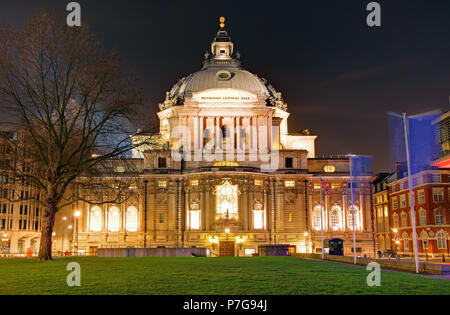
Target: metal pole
[[353, 210], [76, 220], [321, 220], [413, 214]]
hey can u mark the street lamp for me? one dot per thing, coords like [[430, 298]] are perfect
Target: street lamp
[[213, 240], [240, 241]]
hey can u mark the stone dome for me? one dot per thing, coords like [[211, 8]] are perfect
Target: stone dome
[[222, 70]]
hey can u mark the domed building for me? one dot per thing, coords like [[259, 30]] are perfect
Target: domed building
[[225, 173]]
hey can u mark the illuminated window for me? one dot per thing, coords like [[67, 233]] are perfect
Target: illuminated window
[[258, 219], [317, 218], [227, 201], [119, 169], [350, 215], [194, 182], [226, 164], [114, 219], [329, 169], [162, 184], [258, 182], [289, 183], [290, 218], [133, 186], [132, 219], [335, 218], [96, 219], [335, 185], [194, 217], [249, 251], [317, 186]]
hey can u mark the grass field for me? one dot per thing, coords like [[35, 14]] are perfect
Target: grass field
[[200, 276]]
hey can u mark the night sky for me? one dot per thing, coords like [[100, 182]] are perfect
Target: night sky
[[339, 76]]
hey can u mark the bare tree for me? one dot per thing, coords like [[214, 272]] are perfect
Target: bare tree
[[72, 102]]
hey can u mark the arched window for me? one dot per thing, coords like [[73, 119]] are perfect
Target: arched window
[[132, 219], [335, 218], [441, 240], [423, 217], [227, 201], [439, 217], [405, 242], [424, 238], [395, 219], [317, 219], [350, 217], [96, 218], [113, 219], [404, 218]]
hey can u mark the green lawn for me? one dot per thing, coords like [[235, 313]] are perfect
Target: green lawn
[[186, 276]]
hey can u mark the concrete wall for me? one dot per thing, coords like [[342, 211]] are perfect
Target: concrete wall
[[388, 264], [151, 252]]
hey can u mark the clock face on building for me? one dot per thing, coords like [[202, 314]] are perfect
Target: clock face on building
[[224, 75]]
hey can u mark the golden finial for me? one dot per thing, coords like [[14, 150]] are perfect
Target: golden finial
[[222, 22]]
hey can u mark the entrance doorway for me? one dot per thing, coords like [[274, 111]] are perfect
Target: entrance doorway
[[227, 249]]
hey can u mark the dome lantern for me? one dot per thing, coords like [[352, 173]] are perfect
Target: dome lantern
[[222, 47]]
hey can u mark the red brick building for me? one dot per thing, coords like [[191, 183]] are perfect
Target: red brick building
[[432, 211]]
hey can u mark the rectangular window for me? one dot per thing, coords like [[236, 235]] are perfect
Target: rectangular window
[[194, 182], [119, 169], [395, 203], [258, 182], [289, 162], [402, 201], [289, 184], [258, 219], [162, 163], [2, 225], [249, 251], [438, 194], [336, 185], [436, 178], [194, 216], [162, 184], [161, 218], [290, 218], [317, 186], [421, 197]]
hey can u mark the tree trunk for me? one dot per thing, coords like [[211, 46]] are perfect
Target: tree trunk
[[48, 222]]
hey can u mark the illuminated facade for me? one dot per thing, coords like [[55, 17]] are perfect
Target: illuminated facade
[[224, 161]]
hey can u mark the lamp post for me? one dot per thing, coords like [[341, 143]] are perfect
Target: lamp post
[[77, 214]]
